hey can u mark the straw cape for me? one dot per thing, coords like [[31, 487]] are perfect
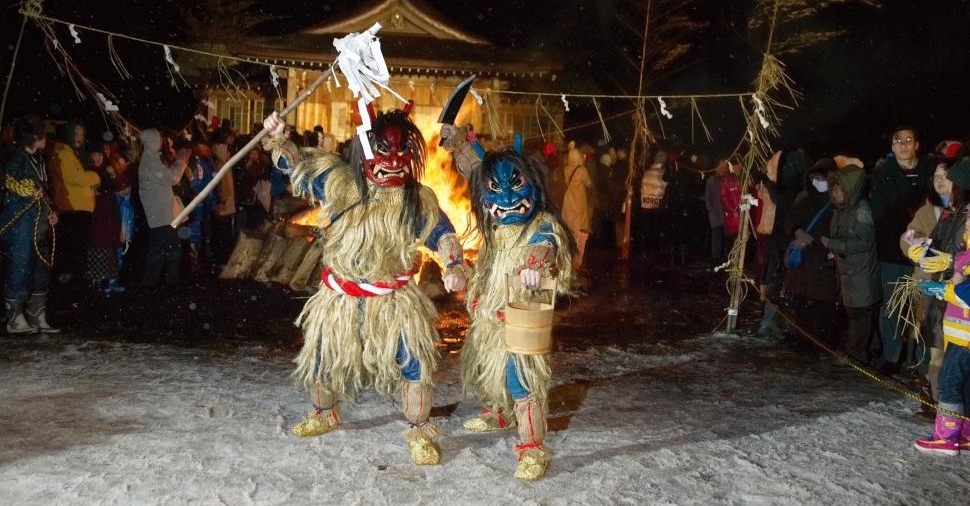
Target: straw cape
[[483, 356], [350, 343]]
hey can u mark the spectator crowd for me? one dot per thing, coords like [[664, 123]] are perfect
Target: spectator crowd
[[831, 234]]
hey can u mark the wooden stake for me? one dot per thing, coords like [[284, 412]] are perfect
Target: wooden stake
[[628, 216], [737, 271]]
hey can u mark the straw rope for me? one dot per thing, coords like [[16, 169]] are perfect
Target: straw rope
[[887, 383]]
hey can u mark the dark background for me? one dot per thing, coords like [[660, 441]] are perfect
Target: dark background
[[902, 63]]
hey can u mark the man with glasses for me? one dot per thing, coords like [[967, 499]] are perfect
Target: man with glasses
[[899, 184]]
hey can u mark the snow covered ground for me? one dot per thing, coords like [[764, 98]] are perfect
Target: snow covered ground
[[713, 419]]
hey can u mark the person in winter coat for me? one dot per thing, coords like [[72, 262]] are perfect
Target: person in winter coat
[[198, 174], [715, 212], [224, 215], [813, 285], [73, 185], [951, 432], [940, 221], [27, 217], [155, 182], [852, 240], [899, 184], [731, 206], [577, 213], [105, 237]]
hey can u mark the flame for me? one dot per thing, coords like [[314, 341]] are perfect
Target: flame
[[452, 191], [309, 218], [442, 177]]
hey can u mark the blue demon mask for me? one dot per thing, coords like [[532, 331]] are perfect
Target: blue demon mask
[[511, 197]]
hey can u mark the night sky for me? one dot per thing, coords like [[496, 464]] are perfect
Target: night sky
[[902, 63]]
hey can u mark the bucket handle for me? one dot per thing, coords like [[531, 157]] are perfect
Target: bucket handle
[[545, 283]]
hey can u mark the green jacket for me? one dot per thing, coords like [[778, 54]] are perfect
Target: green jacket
[[853, 242]]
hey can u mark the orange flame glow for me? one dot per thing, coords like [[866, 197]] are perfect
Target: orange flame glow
[[441, 176]]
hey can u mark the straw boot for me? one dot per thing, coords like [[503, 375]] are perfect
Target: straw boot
[[16, 323], [533, 456], [489, 420], [422, 435], [325, 415], [36, 313]]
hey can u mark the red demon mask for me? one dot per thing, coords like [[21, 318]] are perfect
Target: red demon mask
[[391, 165]]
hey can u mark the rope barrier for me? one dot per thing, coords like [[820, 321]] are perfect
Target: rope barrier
[[893, 386]]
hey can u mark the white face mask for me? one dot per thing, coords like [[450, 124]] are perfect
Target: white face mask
[[821, 185]]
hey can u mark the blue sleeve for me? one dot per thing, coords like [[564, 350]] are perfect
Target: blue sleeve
[[315, 187], [277, 184], [442, 227], [545, 235]]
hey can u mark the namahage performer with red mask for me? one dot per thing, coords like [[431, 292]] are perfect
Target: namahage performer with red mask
[[369, 325]]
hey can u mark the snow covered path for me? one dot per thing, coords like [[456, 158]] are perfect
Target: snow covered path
[[714, 419]]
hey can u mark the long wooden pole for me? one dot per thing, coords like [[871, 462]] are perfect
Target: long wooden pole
[[246, 149], [737, 276], [13, 64], [738, 273], [631, 168]]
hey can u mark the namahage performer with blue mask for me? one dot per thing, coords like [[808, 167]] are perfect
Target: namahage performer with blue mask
[[521, 237]]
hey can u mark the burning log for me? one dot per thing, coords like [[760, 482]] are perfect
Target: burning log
[[307, 274], [273, 249], [292, 258], [429, 278], [244, 256]]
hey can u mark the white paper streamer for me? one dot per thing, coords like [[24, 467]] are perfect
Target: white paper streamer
[[759, 109], [71, 28], [565, 102], [274, 77], [478, 98], [108, 105], [663, 108], [201, 119], [747, 202], [362, 64], [170, 60], [364, 128], [208, 103]]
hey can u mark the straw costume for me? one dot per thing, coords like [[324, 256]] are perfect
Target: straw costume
[[521, 237], [369, 325]]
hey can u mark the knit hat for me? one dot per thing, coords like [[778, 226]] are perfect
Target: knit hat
[[953, 150], [960, 174]]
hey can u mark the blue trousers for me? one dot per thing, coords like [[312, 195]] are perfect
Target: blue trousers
[[410, 366], [411, 369], [512, 382], [955, 379], [892, 344], [24, 272]]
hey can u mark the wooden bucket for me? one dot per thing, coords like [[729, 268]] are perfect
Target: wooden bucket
[[528, 323]]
